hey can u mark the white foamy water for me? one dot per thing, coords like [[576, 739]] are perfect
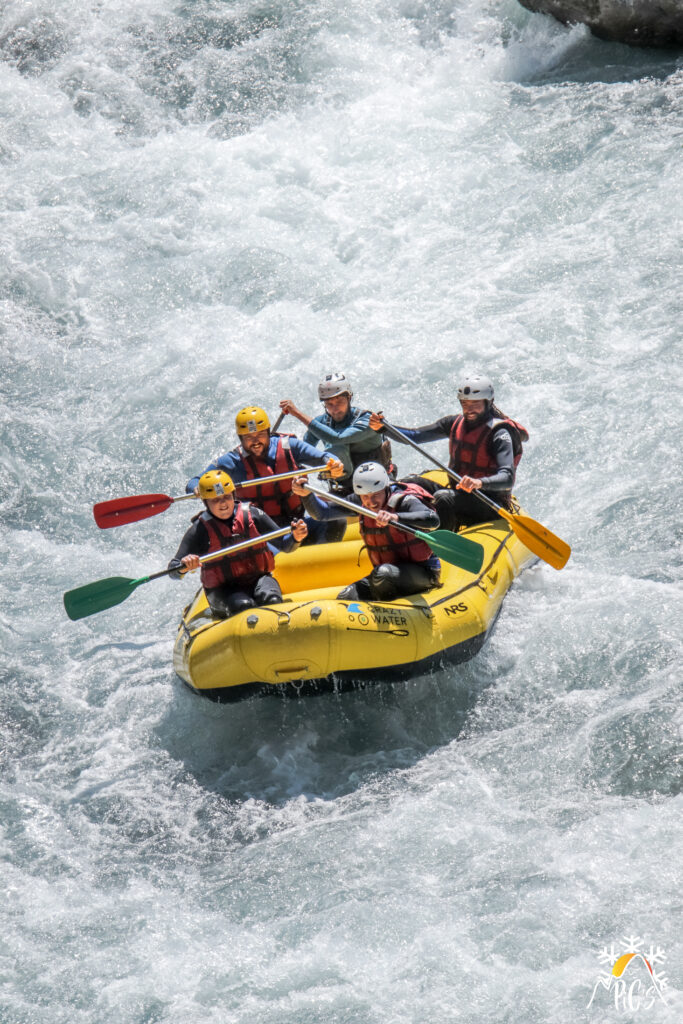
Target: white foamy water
[[205, 205]]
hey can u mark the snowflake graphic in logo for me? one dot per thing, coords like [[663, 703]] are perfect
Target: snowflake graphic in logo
[[639, 993]]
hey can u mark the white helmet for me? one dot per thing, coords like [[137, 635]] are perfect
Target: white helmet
[[334, 384], [475, 388], [370, 478]]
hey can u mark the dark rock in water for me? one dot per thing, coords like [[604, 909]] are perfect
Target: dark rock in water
[[636, 22]]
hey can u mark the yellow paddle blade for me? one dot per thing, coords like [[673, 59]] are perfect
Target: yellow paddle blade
[[539, 539]]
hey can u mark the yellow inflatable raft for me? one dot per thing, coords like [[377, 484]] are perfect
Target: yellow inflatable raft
[[311, 641]]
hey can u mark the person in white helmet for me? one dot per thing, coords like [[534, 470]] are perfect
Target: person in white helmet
[[403, 564], [343, 429], [485, 447]]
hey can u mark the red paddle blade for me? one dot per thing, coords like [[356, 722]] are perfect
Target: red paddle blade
[[129, 510]]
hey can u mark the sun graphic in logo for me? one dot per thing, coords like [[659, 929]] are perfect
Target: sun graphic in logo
[[631, 993], [622, 963]]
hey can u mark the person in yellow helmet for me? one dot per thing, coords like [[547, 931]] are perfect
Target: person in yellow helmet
[[262, 453], [242, 580]]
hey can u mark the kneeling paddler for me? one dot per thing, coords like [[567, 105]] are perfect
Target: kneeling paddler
[[243, 580], [402, 564]]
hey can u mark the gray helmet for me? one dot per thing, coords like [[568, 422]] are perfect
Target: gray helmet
[[334, 384], [475, 388], [369, 478]]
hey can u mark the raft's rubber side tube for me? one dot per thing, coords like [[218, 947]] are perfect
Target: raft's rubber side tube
[[313, 641]]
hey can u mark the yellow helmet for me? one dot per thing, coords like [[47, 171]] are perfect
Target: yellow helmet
[[214, 484], [251, 420]]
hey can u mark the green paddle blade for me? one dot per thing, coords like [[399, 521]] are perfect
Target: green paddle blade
[[95, 597], [453, 548]]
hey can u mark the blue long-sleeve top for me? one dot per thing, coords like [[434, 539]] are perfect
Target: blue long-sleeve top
[[302, 452], [501, 447], [353, 430]]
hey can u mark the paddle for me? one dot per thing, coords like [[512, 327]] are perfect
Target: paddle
[[454, 549], [120, 511], [143, 506], [95, 597], [536, 537]]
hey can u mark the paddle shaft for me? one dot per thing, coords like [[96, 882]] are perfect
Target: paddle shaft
[[289, 475], [238, 487], [120, 511], [102, 594], [231, 550], [459, 551], [359, 509], [181, 497]]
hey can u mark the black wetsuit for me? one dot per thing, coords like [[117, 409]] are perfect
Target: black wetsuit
[[387, 581], [457, 508]]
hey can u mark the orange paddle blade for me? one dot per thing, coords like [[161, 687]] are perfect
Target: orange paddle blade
[[539, 539]]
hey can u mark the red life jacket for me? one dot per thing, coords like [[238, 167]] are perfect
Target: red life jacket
[[386, 544], [247, 564], [277, 500], [470, 452]]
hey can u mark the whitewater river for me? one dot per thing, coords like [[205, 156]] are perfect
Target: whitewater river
[[206, 204]]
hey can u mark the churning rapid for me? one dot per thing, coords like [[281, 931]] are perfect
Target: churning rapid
[[207, 204]]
